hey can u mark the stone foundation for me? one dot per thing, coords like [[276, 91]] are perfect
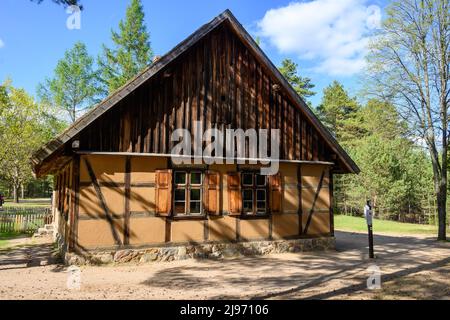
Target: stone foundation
[[200, 251]]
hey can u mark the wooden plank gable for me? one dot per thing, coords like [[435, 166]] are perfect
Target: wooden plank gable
[[218, 76], [198, 87]]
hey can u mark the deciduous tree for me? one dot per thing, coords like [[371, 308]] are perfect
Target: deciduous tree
[[75, 86], [22, 130], [409, 65]]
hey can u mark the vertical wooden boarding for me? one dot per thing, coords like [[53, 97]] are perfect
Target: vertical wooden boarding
[[213, 82], [194, 88], [316, 147], [238, 114], [166, 116], [205, 84], [157, 109], [298, 135]]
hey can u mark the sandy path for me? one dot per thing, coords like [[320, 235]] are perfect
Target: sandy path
[[419, 262]]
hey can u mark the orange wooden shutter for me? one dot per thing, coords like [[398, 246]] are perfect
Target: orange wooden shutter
[[163, 192], [234, 193], [275, 193], [211, 196]]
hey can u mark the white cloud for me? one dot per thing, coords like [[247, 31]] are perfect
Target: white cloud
[[332, 33], [2, 44]]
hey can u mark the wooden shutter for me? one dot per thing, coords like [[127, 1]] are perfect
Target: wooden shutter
[[275, 193], [211, 192], [163, 192], [234, 194]]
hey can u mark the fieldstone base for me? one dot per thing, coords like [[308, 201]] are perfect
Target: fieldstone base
[[200, 251]]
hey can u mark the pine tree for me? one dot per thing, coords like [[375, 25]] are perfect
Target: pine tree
[[131, 52], [302, 85], [338, 111], [64, 3]]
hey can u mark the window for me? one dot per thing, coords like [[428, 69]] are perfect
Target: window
[[254, 193], [188, 193]]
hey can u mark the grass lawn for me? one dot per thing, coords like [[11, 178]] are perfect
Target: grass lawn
[[5, 236], [356, 224], [28, 203]]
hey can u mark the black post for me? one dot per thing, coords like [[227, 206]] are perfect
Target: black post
[[371, 255]]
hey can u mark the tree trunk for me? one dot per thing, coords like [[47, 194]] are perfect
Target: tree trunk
[[442, 212], [16, 193], [22, 192], [440, 184]]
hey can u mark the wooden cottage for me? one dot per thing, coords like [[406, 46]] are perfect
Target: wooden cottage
[[116, 186]]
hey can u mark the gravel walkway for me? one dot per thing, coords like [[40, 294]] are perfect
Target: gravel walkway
[[412, 268]]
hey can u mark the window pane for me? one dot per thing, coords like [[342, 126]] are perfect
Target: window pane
[[260, 180], [196, 178], [248, 206], [180, 178], [261, 206], [261, 195], [195, 207], [180, 195], [247, 195], [247, 179], [180, 207], [195, 195]]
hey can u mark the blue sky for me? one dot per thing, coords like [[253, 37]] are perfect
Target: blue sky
[[327, 38]]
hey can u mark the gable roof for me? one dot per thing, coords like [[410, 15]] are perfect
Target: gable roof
[[57, 144]]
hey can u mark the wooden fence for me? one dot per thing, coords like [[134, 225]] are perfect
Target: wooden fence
[[24, 220]]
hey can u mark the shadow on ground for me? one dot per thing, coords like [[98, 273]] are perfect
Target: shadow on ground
[[407, 264], [309, 273], [28, 256]]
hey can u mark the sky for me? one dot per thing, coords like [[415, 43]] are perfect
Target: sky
[[326, 38]]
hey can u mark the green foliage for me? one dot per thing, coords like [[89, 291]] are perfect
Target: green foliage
[[75, 86], [339, 112], [131, 52], [302, 85], [64, 3], [395, 173], [408, 64], [24, 127]]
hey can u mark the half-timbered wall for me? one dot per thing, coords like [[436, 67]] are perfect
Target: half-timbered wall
[[219, 82], [63, 202], [117, 206]]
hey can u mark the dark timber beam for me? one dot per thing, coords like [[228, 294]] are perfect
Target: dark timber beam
[[311, 212], [103, 202]]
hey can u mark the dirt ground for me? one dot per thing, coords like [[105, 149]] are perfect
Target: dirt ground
[[413, 267]]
